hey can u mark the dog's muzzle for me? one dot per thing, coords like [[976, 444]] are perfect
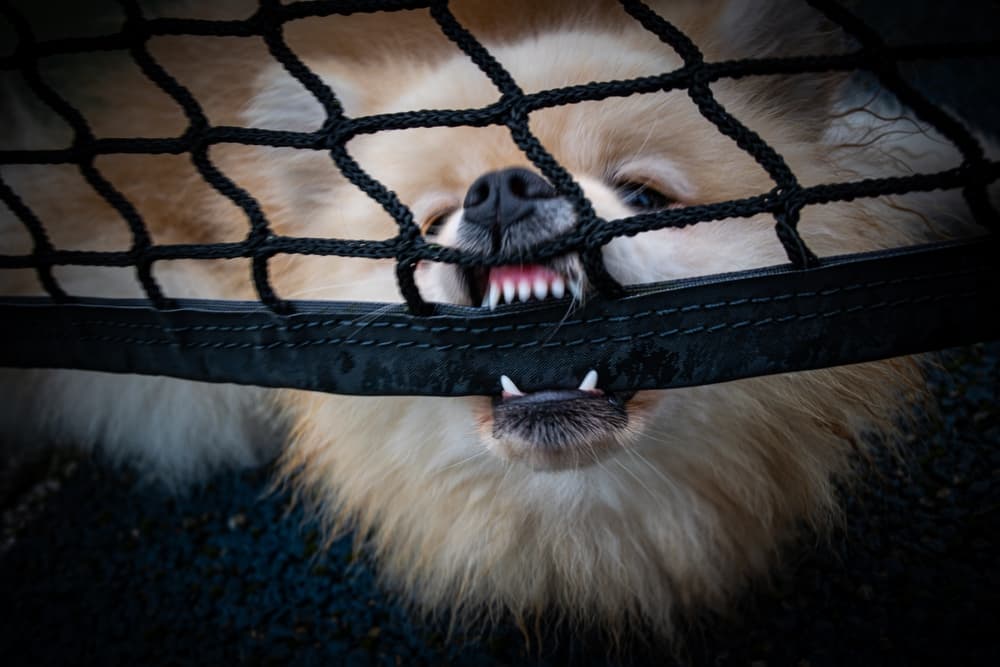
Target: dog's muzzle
[[513, 211], [508, 210]]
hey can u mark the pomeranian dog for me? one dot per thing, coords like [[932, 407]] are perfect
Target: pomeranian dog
[[623, 516]]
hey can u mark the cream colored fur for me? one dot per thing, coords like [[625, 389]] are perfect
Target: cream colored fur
[[708, 482]]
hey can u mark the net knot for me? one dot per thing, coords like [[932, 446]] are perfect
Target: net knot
[[135, 30], [791, 201], [334, 134]]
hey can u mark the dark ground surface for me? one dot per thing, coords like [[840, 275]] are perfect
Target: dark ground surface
[[114, 573], [98, 570]]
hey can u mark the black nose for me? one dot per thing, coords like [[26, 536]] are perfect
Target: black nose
[[501, 198]]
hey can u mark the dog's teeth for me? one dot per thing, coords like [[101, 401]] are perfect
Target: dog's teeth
[[589, 381], [558, 288], [493, 297], [541, 288], [524, 289], [576, 290], [508, 386], [509, 290]]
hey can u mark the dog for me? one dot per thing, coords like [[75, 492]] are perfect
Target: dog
[[620, 510]]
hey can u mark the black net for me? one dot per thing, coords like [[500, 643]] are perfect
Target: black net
[[658, 331]]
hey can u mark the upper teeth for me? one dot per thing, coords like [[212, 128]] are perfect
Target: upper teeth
[[558, 288], [510, 284]]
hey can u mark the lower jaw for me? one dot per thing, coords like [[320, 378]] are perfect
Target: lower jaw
[[556, 430]]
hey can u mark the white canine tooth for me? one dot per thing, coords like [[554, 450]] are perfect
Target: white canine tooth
[[576, 290], [540, 288], [558, 287], [589, 381], [509, 290], [524, 289], [493, 298], [508, 386]]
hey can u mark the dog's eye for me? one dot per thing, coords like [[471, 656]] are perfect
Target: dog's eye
[[432, 224], [642, 196]]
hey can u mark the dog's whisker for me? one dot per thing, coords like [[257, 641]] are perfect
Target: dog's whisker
[[570, 307], [369, 318], [508, 466], [649, 464], [461, 462], [636, 477], [322, 288]]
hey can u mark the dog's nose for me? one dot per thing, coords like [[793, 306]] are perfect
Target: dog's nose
[[502, 198]]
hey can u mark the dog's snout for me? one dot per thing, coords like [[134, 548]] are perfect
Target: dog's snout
[[501, 198], [511, 210]]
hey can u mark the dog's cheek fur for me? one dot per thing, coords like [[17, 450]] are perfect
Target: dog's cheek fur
[[717, 479]]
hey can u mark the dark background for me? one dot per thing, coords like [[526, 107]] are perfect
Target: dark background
[[96, 568]]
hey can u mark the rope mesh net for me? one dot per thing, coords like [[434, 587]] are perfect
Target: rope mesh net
[[785, 201]]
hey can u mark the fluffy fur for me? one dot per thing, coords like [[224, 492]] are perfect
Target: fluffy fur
[[706, 482]]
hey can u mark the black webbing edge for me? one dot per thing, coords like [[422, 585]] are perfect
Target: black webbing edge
[[850, 309]]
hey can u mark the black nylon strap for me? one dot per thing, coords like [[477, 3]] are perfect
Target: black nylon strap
[[850, 309], [708, 330]]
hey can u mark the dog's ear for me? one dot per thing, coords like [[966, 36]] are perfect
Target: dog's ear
[[769, 28], [740, 29], [282, 103], [297, 182]]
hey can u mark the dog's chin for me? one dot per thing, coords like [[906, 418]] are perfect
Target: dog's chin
[[552, 461]]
